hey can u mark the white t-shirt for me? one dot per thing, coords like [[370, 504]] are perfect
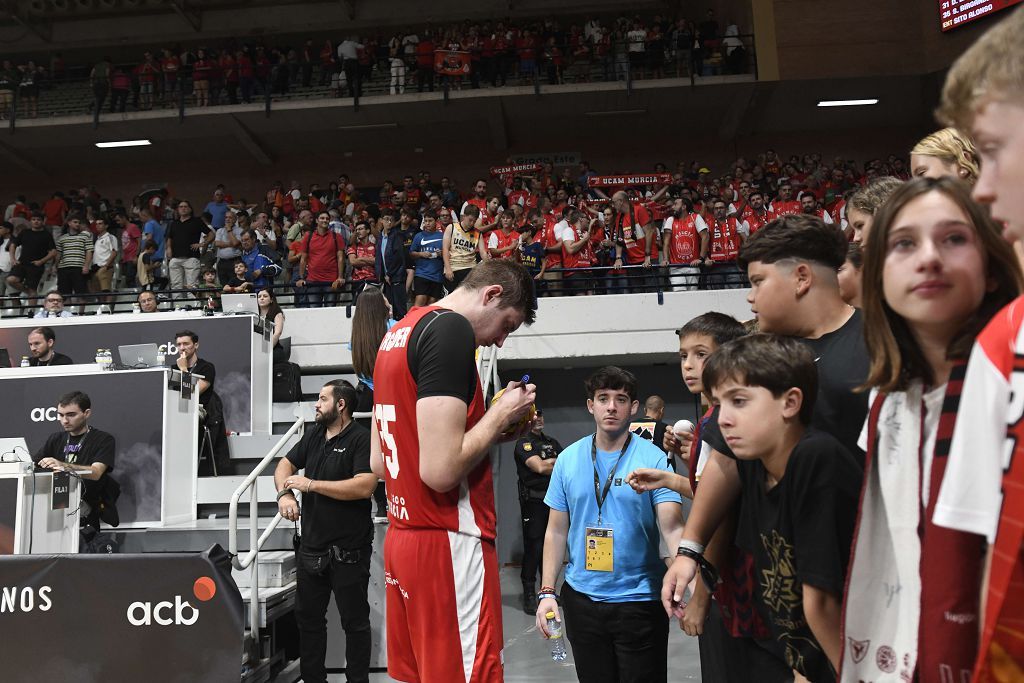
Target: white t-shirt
[[637, 38], [105, 246]]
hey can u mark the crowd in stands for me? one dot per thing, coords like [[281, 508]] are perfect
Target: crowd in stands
[[418, 238], [474, 54]]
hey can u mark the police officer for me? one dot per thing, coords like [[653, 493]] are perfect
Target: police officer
[[337, 533], [535, 458]]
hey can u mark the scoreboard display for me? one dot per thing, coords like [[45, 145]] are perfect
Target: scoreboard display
[[956, 13]]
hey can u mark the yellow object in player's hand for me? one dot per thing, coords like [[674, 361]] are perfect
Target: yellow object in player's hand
[[531, 414]]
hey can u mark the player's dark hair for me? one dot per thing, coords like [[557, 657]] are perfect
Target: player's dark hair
[[799, 237], [611, 377], [77, 398], [775, 363], [516, 285], [720, 327]]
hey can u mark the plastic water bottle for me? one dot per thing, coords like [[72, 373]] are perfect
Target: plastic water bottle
[[161, 355], [135, 308], [108, 360], [555, 636], [99, 358], [24, 362]]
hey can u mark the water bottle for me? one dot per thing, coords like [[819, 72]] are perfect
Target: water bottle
[[161, 355], [24, 362], [108, 360], [99, 358], [135, 308], [555, 636]]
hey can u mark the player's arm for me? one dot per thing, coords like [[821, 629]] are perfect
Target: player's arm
[[555, 538], [376, 457], [450, 452], [824, 615]]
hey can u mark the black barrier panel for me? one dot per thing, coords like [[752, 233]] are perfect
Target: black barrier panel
[[8, 514], [173, 618], [128, 405], [233, 361]]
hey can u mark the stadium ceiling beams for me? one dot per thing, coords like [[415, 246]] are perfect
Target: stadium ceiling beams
[[43, 31], [193, 17], [249, 141]]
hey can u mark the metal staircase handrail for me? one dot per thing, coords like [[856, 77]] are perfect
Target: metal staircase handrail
[[256, 540]]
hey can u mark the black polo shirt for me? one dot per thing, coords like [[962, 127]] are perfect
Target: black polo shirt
[[326, 521], [544, 447]]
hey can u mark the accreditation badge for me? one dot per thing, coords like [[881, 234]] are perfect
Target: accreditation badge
[[600, 550]]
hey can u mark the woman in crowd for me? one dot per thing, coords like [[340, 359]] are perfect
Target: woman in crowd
[[271, 312], [850, 275], [370, 322], [935, 271], [946, 152]]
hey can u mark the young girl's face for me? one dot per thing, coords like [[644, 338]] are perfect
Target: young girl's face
[[935, 270], [263, 298], [850, 283]]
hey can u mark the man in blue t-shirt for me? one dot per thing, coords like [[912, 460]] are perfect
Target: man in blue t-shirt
[[217, 208], [614, 619], [426, 253]]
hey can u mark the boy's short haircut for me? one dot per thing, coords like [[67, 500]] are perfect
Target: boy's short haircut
[[991, 69], [720, 327], [798, 237], [611, 377], [207, 270], [769, 361]]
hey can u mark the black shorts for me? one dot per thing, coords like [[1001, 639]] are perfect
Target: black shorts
[[29, 274], [424, 287], [72, 281]]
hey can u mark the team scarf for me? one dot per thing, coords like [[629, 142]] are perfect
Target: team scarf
[[912, 589]]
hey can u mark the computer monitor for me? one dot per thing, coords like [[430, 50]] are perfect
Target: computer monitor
[[138, 355], [239, 303]]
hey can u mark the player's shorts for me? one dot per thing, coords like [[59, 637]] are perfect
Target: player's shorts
[[443, 610]]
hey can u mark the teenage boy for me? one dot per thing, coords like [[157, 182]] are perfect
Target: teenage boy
[[799, 490], [983, 490], [426, 254], [726, 626], [614, 622]]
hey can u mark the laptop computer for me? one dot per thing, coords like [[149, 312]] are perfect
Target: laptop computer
[[138, 355], [239, 303], [5, 358]]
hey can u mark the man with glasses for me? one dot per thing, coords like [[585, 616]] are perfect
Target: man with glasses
[[187, 237], [53, 307], [726, 235]]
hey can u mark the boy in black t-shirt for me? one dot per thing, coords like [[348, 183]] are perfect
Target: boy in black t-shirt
[[798, 498], [238, 284]]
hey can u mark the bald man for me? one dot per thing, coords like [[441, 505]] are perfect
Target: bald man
[[651, 427]]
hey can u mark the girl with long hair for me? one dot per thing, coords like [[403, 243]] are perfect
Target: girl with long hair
[[935, 271]]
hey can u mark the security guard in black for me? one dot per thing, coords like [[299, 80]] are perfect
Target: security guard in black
[[337, 531], [535, 456]]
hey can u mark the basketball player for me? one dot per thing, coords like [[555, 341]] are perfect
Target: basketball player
[[430, 443]]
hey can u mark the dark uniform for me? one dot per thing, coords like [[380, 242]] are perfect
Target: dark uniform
[[334, 556], [532, 487], [653, 430]]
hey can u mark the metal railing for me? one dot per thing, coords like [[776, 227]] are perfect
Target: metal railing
[[256, 540], [542, 67]]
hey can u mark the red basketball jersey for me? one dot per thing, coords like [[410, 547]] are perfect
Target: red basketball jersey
[[467, 509]]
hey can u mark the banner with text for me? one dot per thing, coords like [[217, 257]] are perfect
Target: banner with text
[[629, 180], [553, 158], [225, 341], [173, 617], [956, 13], [515, 169], [128, 405]]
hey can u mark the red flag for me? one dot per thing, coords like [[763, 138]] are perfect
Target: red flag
[[451, 62]]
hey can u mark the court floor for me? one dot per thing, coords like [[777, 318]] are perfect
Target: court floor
[[528, 657]]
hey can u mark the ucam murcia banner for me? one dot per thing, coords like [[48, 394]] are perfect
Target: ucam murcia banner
[[515, 169], [629, 180], [174, 617]]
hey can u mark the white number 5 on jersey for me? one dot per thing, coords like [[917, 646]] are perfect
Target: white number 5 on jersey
[[385, 416]]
